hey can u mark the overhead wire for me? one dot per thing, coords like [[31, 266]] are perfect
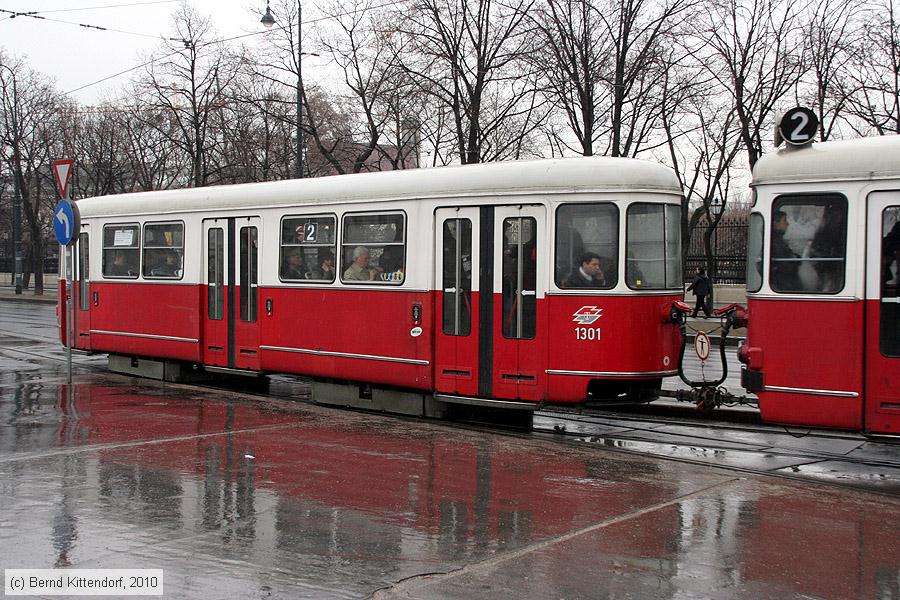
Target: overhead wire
[[38, 16], [35, 15], [57, 10]]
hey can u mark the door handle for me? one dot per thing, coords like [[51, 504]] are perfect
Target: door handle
[[96, 298], [449, 290], [268, 307]]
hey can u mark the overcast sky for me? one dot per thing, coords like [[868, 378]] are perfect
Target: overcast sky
[[75, 56]]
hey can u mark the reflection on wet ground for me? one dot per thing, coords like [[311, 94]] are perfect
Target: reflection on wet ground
[[238, 496], [235, 497]]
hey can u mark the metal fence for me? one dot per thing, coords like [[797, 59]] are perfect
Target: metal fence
[[729, 249]]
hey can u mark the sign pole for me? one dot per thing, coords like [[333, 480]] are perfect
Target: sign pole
[[66, 224], [70, 313]]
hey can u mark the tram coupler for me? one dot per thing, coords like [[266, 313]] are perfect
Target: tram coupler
[[706, 399], [706, 395]]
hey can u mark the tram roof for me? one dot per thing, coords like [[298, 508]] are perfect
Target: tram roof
[[511, 178], [860, 159]]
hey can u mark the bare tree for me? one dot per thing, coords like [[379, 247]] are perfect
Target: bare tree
[[640, 31], [188, 87], [755, 53], [256, 131], [458, 52], [364, 59], [704, 139], [830, 34], [29, 112], [572, 58], [96, 140], [875, 101], [155, 163]]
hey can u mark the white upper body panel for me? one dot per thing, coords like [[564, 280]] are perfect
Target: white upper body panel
[[860, 160], [582, 174]]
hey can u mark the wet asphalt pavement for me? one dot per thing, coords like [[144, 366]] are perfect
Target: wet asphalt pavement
[[237, 495]]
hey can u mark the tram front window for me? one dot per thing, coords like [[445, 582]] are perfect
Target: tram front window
[[808, 239], [587, 231], [653, 250]]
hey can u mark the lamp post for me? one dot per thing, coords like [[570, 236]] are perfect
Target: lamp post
[[17, 192], [716, 208], [268, 20]]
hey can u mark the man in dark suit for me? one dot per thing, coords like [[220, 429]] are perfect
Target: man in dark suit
[[588, 275]]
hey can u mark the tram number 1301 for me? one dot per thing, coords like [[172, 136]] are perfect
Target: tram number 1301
[[591, 334]]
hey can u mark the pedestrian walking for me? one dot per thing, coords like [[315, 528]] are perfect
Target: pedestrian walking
[[701, 288]]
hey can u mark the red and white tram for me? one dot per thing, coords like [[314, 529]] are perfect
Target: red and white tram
[[823, 339], [430, 286]]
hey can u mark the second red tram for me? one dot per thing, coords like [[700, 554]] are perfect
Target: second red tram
[[511, 283], [823, 338]]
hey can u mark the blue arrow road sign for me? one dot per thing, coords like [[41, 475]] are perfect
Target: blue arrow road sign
[[66, 222]]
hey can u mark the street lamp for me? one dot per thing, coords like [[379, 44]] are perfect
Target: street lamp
[[17, 197], [268, 20]]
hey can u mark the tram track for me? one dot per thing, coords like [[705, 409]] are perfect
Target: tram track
[[736, 445], [660, 436]]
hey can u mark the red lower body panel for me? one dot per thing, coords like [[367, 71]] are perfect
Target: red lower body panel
[[812, 361]]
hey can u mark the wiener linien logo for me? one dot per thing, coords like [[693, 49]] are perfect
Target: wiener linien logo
[[587, 315]]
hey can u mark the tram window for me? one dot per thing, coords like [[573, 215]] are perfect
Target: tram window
[[457, 277], [587, 228], [808, 244], [247, 273], [653, 247], [121, 251], [519, 277], [373, 248], [755, 244], [307, 248], [215, 275], [890, 282], [163, 250]]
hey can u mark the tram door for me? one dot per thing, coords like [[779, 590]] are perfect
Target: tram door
[[457, 302], [82, 297], [231, 295], [519, 340], [882, 395]]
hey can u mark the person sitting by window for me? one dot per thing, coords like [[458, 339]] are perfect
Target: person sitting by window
[[120, 266], [890, 269], [589, 274], [634, 277], [783, 275], [360, 270], [170, 266], [293, 267], [325, 270]]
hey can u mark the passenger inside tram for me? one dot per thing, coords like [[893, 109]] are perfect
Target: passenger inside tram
[[169, 264], [325, 270], [121, 266], [827, 248], [890, 263], [589, 274], [784, 266], [359, 269], [293, 266], [634, 277]]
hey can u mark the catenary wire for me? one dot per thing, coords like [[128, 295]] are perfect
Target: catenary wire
[[237, 37]]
